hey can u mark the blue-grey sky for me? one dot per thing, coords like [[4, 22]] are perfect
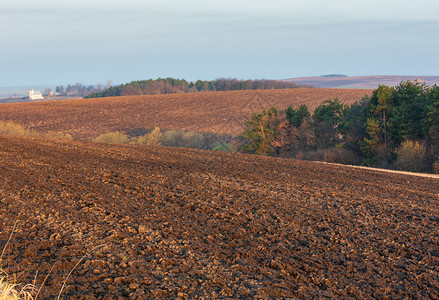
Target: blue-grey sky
[[48, 42]]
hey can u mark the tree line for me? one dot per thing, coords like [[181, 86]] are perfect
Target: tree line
[[79, 89], [396, 127], [172, 86]]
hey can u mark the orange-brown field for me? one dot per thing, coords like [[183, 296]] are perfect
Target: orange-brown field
[[219, 112], [178, 223]]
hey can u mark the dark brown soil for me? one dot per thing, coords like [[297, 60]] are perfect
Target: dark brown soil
[[202, 225], [218, 112]]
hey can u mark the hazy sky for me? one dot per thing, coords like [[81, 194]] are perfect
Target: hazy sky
[[48, 42]]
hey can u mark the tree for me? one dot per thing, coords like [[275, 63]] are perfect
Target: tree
[[433, 119], [410, 156], [328, 118], [384, 94], [199, 85], [297, 116], [353, 126], [154, 137], [295, 133], [372, 148], [409, 113], [376, 142], [60, 90], [261, 132]]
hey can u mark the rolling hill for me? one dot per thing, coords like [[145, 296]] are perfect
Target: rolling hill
[[165, 223], [211, 112]]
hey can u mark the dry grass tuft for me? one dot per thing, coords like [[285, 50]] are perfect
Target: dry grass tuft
[[9, 290], [12, 291]]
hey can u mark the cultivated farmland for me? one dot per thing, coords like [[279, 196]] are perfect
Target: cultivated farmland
[[156, 222], [218, 113]]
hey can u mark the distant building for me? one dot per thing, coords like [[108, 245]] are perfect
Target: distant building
[[35, 95]]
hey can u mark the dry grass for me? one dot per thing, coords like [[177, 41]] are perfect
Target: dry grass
[[9, 290]]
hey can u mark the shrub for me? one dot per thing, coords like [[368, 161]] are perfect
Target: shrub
[[11, 128], [152, 139], [337, 155], [172, 138], [58, 136], [112, 138], [192, 140], [189, 139], [224, 147], [410, 156], [141, 140]]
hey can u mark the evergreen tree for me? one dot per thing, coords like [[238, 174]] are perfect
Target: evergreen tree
[[297, 116], [353, 126], [328, 118], [261, 132], [433, 119], [376, 144], [409, 113]]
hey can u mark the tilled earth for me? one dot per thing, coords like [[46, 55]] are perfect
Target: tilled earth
[[222, 113], [168, 223]]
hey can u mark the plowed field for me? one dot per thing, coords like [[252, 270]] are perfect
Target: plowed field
[[198, 224], [219, 112]]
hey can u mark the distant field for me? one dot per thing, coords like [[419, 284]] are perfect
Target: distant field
[[360, 82], [212, 112]]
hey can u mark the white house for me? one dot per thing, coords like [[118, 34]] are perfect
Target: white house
[[35, 95]]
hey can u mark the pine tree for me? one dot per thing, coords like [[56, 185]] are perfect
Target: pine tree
[[261, 132]]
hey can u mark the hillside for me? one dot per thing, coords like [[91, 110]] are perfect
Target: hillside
[[202, 224], [175, 86], [213, 112], [360, 82]]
